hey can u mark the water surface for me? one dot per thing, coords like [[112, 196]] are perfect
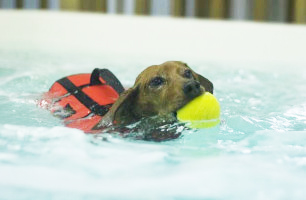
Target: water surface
[[257, 152]]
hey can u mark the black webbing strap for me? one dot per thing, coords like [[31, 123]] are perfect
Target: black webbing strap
[[108, 77], [83, 98]]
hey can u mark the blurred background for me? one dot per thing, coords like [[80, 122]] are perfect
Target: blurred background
[[282, 11]]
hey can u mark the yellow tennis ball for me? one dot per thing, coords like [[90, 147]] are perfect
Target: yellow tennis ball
[[201, 112]]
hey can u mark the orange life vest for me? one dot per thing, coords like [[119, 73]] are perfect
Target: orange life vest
[[82, 100]]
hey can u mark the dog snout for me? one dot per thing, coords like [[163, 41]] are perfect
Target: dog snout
[[192, 89]]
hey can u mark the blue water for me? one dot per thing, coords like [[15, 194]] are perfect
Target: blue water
[[257, 152]]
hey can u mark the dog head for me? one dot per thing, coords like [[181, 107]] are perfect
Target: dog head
[[159, 90]]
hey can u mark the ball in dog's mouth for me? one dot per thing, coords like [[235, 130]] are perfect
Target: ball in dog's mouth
[[201, 112]]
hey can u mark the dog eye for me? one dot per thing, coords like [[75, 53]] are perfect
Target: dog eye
[[157, 81], [187, 73]]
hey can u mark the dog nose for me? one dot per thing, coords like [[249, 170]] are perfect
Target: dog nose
[[192, 89]]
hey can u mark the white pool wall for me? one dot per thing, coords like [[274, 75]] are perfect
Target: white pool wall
[[147, 39]]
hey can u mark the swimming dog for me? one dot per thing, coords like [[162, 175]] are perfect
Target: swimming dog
[[159, 91]]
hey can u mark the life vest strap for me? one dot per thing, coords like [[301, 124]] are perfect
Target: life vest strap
[[109, 78], [83, 98]]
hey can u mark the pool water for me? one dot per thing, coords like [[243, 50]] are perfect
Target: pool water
[[257, 152]]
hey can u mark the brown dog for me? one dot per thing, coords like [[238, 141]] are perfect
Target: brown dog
[[160, 90]]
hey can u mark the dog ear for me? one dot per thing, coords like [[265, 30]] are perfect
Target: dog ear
[[209, 87], [123, 109]]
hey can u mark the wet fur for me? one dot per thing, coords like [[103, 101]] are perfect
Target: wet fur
[[142, 101]]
